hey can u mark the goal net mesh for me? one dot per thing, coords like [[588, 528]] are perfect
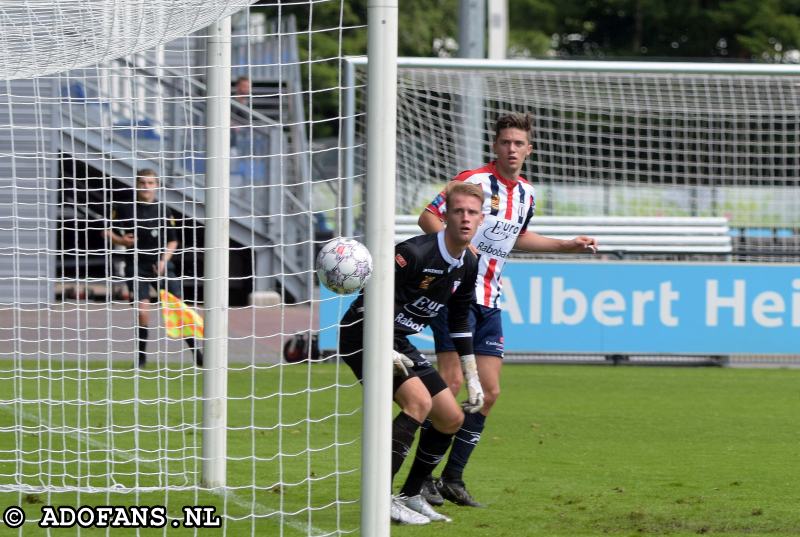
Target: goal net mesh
[[99, 404], [43, 37], [615, 144]]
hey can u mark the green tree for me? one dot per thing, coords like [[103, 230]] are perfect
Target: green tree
[[322, 43], [762, 30], [532, 23]]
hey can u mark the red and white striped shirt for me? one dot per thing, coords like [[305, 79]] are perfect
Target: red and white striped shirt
[[507, 209]]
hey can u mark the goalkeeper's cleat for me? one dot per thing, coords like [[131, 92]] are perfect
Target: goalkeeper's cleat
[[456, 492], [417, 503], [430, 492], [401, 514]]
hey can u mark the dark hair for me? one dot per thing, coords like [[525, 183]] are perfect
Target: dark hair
[[515, 120], [242, 78]]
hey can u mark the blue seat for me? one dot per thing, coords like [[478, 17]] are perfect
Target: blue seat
[[74, 91], [141, 128], [194, 162]]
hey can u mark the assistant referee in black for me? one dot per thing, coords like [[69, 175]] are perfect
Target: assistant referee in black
[[147, 229]]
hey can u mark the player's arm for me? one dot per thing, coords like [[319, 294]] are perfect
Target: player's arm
[[533, 242], [169, 251], [528, 241], [172, 242], [429, 222], [405, 258], [461, 334], [405, 262], [432, 218], [117, 238], [165, 258], [458, 306]]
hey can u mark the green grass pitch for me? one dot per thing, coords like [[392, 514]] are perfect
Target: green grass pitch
[[568, 450]]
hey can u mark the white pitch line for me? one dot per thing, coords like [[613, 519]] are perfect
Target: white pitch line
[[259, 509]]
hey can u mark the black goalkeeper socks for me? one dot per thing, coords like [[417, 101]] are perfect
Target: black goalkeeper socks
[[433, 444], [142, 346], [404, 427], [198, 354], [464, 444]]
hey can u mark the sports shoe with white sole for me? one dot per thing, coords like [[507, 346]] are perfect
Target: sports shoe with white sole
[[420, 505], [401, 514], [430, 492]]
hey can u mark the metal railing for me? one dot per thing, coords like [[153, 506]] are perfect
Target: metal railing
[[142, 110]]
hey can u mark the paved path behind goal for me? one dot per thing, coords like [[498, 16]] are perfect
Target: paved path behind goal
[[82, 330]]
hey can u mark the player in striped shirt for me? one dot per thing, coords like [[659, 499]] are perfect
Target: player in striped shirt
[[508, 207]]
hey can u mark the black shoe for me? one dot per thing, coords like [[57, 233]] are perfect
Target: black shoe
[[456, 492], [430, 492], [198, 358], [141, 362]]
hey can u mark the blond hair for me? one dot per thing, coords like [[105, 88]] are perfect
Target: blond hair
[[146, 172], [461, 187]]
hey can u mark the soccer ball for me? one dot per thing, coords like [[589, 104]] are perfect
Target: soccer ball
[[344, 265]]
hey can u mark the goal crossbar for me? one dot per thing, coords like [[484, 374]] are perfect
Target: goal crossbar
[[591, 65]]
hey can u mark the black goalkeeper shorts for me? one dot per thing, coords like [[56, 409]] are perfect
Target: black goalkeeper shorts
[[351, 343]]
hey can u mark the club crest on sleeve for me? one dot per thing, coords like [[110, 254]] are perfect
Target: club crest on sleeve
[[400, 260]]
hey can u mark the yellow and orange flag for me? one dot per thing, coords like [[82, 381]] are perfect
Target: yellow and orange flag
[[180, 320]]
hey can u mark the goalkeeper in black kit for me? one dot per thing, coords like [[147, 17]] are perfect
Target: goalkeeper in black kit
[[431, 272]]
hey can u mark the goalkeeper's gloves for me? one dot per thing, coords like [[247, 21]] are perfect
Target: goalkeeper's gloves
[[401, 363], [474, 400]]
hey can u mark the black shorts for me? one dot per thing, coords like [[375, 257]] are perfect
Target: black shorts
[[140, 282], [486, 325], [351, 343]]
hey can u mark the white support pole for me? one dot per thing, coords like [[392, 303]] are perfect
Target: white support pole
[[217, 197], [498, 29], [472, 29], [379, 299], [471, 37]]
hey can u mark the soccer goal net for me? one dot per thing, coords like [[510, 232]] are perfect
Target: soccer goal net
[[118, 154], [612, 138]]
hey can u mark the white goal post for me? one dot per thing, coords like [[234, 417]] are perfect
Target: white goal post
[[610, 138], [113, 394]]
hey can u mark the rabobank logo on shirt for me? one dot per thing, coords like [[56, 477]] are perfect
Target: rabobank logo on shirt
[[610, 307]]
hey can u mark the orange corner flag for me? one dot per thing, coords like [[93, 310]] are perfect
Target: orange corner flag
[[180, 320]]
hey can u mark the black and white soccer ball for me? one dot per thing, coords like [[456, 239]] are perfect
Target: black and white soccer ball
[[344, 265]]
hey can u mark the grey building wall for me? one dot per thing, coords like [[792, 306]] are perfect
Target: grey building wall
[[29, 167]]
